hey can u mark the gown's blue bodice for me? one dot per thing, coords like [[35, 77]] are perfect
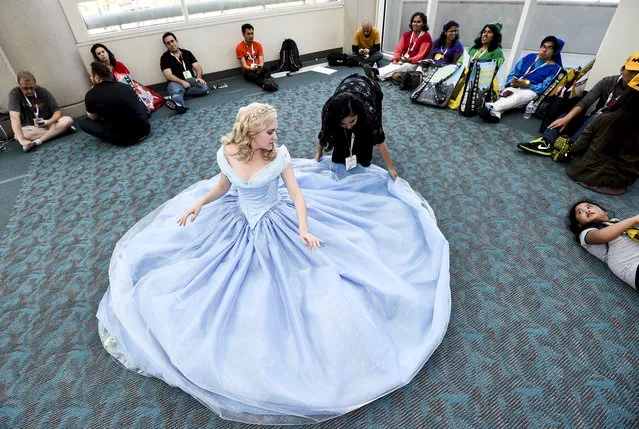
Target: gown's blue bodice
[[259, 193]]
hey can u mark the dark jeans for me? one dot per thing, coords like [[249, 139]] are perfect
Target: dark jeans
[[372, 58], [573, 129], [125, 137], [257, 77]]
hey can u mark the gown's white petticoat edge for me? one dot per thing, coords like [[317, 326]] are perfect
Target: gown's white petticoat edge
[[264, 411]]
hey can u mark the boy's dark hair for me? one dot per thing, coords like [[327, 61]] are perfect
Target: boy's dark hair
[[554, 42], [495, 43], [167, 34], [573, 224], [246, 26], [100, 70]]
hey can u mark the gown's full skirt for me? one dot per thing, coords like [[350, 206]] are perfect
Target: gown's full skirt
[[259, 328]]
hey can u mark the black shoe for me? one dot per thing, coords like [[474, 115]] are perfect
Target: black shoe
[[270, 85], [539, 146], [370, 72], [484, 113], [174, 105]]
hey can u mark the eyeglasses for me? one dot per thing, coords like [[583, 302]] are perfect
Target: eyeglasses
[[547, 48]]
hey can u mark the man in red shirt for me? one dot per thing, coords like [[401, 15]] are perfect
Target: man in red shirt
[[251, 56]]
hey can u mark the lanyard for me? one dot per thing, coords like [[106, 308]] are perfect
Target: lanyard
[[180, 60], [250, 56], [612, 93], [410, 48], [443, 51], [36, 109], [352, 142], [481, 53], [534, 70]]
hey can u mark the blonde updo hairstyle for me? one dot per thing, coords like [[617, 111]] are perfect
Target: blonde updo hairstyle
[[250, 120]]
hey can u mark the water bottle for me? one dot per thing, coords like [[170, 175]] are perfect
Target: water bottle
[[529, 110]]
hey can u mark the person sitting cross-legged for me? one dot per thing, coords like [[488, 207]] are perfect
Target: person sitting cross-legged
[[366, 45], [530, 77], [35, 115], [557, 138], [251, 56]]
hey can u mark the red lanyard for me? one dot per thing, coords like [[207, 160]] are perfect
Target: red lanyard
[[410, 48], [180, 60], [35, 109]]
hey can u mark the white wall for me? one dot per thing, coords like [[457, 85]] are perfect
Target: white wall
[[214, 44], [618, 44], [355, 11], [36, 36]]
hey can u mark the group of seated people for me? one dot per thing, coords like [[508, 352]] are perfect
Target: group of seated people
[[118, 107], [119, 114]]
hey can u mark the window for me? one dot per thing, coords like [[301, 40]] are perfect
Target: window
[[101, 17]]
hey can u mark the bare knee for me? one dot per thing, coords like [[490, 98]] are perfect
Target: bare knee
[[65, 122]]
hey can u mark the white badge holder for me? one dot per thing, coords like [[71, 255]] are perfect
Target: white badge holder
[[187, 74]]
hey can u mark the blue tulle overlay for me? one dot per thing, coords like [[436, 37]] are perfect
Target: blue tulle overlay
[[236, 311]]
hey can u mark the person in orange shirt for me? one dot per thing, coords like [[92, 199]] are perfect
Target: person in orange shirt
[[251, 56]]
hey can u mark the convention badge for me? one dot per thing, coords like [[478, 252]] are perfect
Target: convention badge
[[38, 122], [187, 74], [351, 162], [439, 57]]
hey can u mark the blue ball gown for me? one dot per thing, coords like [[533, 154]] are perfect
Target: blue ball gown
[[236, 311]]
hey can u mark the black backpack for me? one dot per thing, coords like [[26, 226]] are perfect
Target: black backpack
[[289, 57]]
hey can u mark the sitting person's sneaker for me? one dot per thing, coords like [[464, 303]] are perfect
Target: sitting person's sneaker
[[174, 105], [488, 115], [540, 146], [561, 149], [270, 85], [370, 72]]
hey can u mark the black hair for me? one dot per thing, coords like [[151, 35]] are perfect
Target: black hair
[[553, 40], [100, 45], [246, 26], [100, 70], [495, 43], [621, 130], [441, 42], [573, 224], [167, 34], [337, 108], [424, 21]]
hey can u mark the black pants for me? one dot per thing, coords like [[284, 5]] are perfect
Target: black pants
[[123, 137], [257, 77]]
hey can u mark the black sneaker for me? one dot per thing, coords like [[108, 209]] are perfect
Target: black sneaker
[[174, 105], [539, 146], [370, 72], [270, 85], [561, 149], [484, 113]]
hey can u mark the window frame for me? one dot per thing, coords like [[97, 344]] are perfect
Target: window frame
[[83, 38]]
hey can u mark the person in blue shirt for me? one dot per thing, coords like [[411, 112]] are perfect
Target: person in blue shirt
[[530, 77]]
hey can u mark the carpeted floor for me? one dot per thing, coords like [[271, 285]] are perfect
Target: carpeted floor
[[541, 333]]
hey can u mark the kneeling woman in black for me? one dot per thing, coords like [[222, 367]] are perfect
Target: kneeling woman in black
[[352, 124]]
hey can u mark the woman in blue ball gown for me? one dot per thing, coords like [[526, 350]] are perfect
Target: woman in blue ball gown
[[242, 307]]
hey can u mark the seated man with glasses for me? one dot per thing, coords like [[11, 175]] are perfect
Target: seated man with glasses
[[530, 77], [35, 115]]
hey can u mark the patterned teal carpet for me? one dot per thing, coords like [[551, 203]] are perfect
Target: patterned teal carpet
[[541, 333]]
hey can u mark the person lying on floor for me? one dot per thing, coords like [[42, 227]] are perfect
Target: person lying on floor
[[530, 77], [568, 127]]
